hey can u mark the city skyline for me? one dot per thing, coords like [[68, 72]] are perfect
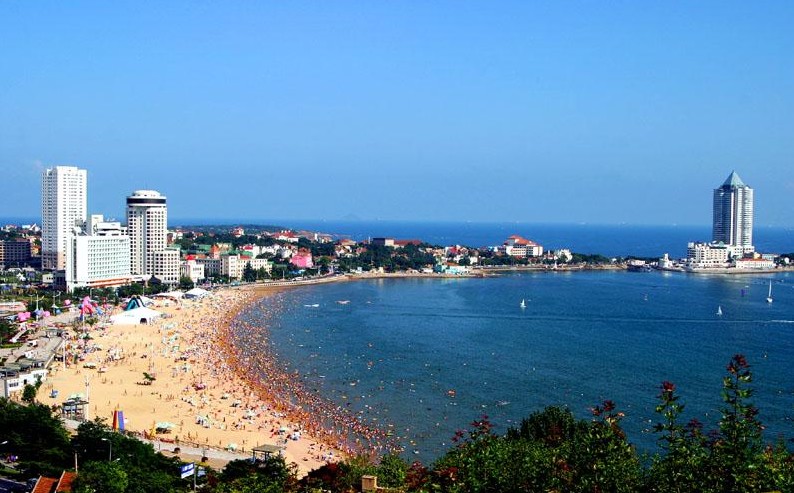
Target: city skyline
[[526, 113]]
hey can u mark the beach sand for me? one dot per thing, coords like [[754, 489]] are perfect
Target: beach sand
[[208, 402]]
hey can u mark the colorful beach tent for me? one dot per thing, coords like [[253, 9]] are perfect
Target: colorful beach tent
[[196, 293], [139, 302], [174, 295], [136, 316]]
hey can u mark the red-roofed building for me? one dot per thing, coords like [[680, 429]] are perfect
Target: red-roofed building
[[517, 246], [215, 251], [286, 235], [55, 485]]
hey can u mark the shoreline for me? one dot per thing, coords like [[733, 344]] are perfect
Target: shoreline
[[250, 351], [200, 375], [201, 398]]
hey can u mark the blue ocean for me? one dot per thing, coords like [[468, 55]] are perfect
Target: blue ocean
[[425, 357], [609, 240]]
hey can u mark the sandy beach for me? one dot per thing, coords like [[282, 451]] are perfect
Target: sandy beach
[[202, 399]]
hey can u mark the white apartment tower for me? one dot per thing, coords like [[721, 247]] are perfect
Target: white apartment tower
[[733, 215], [147, 223], [63, 206]]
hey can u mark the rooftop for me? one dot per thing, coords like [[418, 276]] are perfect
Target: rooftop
[[733, 181]]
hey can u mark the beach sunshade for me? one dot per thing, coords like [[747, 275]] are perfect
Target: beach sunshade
[[232, 446], [165, 425]]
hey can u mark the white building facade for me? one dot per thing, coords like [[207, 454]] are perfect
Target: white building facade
[[147, 227], [97, 256], [733, 216], [165, 266], [192, 269], [707, 255], [63, 205], [233, 266]]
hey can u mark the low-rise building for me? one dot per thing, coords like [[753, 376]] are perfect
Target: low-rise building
[[14, 253], [517, 246], [192, 269], [287, 236], [387, 242], [212, 266], [233, 265], [302, 259], [701, 255], [450, 268], [14, 376], [754, 263]]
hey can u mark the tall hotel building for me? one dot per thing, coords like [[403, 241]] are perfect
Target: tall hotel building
[[147, 223], [63, 206], [733, 216]]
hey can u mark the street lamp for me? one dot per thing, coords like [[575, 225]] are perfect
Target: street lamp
[[110, 449]]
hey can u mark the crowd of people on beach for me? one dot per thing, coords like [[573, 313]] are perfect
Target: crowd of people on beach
[[212, 367], [247, 345]]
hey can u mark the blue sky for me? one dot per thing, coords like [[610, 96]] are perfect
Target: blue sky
[[566, 112]]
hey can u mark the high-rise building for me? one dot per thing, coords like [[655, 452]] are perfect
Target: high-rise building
[[147, 223], [63, 205], [733, 215]]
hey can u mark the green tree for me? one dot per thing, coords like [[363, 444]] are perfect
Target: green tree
[[29, 393], [186, 283], [151, 470], [392, 471], [271, 474], [101, 477], [36, 436], [249, 274]]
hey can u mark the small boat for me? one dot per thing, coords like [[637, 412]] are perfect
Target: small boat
[[523, 304], [315, 305], [719, 311], [343, 302], [769, 298]]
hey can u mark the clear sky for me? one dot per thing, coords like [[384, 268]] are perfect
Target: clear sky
[[554, 111]]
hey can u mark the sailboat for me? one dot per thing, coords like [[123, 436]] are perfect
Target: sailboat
[[769, 296], [523, 304], [719, 311]]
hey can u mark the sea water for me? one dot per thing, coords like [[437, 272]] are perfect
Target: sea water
[[425, 357]]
